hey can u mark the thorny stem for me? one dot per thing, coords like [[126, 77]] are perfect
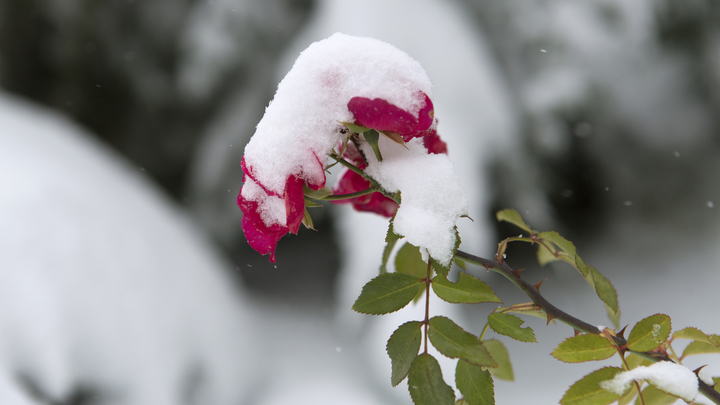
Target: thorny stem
[[554, 312], [359, 171], [427, 303]]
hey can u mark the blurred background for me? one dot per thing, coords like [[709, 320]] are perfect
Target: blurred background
[[126, 278]]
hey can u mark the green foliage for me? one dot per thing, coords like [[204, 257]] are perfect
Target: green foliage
[[698, 347], [403, 347], [316, 194], [634, 361], [500, 354], [390, 240], [452, 341], [387, 293], [587, 391], [653, 396], [628, 396], [409, 261], [372, 137], [467, 290], [509, 325], [426, 384], [552, 247], [696, 335], [512, 216], [526, 308], [649, 333], [583, 348], [474, 383]]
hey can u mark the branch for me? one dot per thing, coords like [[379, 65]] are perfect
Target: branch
[[554, 312]]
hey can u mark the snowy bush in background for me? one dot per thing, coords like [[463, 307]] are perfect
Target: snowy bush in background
[[597, 119]]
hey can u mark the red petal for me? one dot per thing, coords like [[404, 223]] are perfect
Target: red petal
[[380, 115], [433, 143], [294, 203], [260, 237]]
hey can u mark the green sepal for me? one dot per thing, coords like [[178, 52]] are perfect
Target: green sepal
[[474, 383], [467, 290], [316, 194], [696, 335], [581, 348], [512, 216], [649, 333], [307, 220], [409, 261], [387, 293], [311, 204], [509, 325], [390, 239], [426, 384], [587, 390], [372, 137], [499, 353], [452, 341], [358, 129], [403, 347], [697, 347]]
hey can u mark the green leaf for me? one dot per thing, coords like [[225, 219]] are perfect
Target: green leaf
[[512, 216], [390, 239], [409, 261], [634, 361], [467, 290], [358, 129], [372, 137], [403, 347], [500, 354], [387, 293], [452, 341], [697, 347], [604, 289], [545, 256], [474, 383], [563, 244], [460, 262], [526, 308], [582, 348], [649, 333], [509, 325], [628, 396], [695, 334], [653, 396], [316, 194], [426, 384], [587, 391], [461, 401]]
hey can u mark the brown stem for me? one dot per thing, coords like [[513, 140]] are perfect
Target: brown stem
[[554, 312]]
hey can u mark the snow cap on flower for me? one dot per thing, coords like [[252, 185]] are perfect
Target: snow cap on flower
[[301, 125]]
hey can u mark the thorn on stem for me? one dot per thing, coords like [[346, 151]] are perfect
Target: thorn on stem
[[537, 286], [621, 334], [550, 317], [577, 332], [516, 273]]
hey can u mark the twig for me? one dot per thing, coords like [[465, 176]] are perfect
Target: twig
[[555, 313]]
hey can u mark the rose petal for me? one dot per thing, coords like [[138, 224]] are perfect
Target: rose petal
[[380, 115]]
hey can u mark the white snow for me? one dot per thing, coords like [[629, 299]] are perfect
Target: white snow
[[432, 198], [104, 283], [672, 378], [300, 126]]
